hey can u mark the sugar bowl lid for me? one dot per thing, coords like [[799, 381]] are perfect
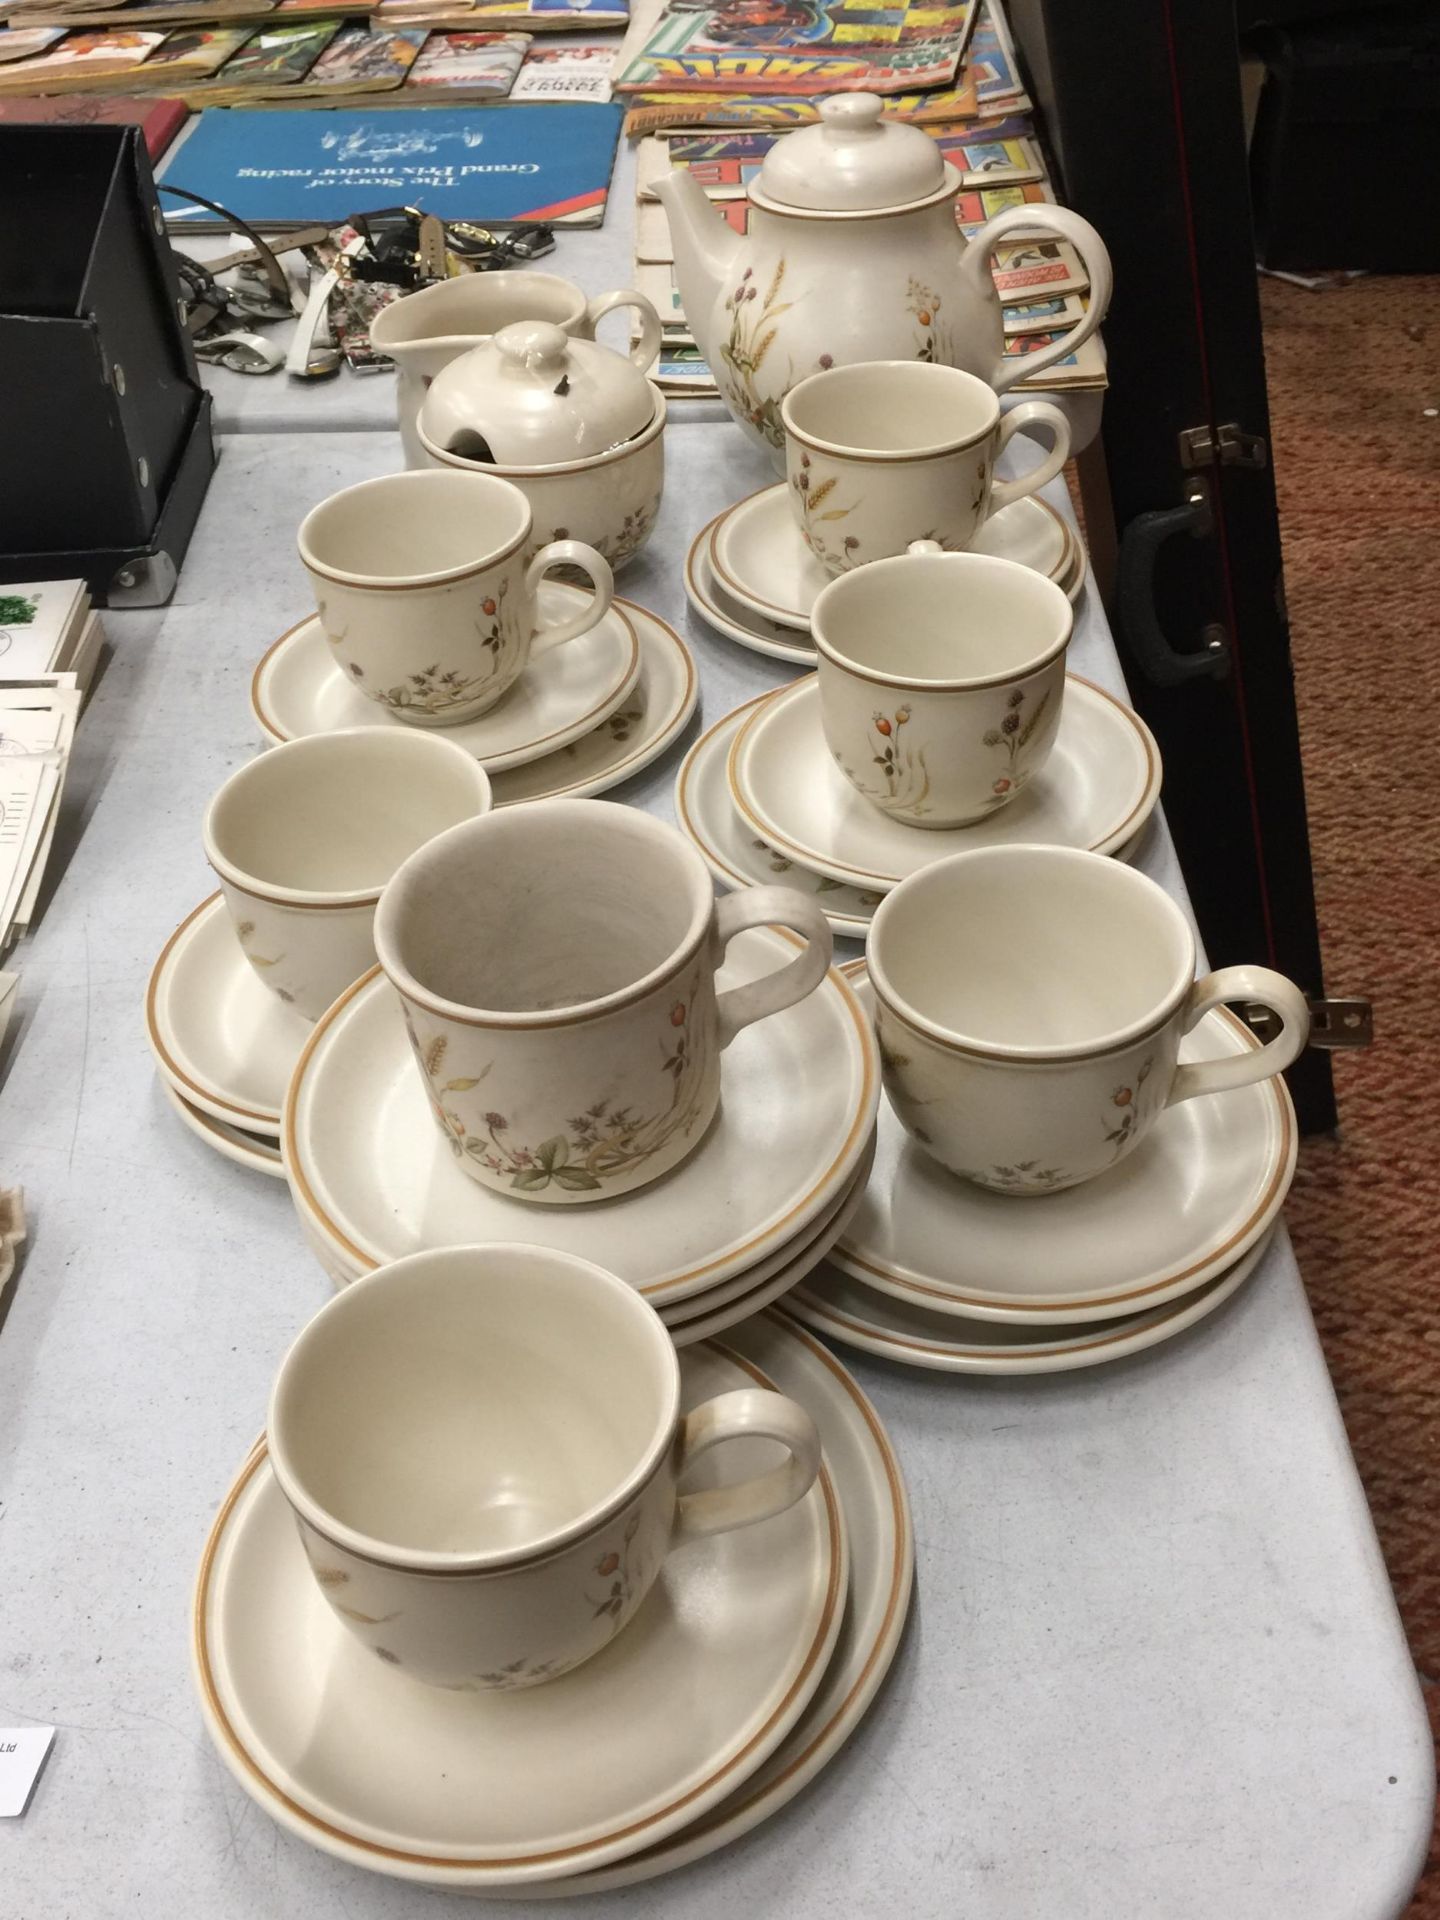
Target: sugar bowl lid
[[853, 161], [532, 397]]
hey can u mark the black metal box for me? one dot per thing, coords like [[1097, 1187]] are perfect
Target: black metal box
[[105, 443]]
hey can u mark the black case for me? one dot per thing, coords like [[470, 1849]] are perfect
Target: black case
[[105, 441]]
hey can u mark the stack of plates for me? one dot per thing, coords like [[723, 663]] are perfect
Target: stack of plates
[[750, 575], [753, 1660], [751, 1211], [763, 802], [578, 721], [935, 1272]]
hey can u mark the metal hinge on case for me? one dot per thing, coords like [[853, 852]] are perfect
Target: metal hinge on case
[[1229, 447], [1333, 1023]]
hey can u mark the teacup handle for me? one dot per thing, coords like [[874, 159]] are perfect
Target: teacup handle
[[771, 907], [1271, 990], [747, 1413], [1031, 413], [646, 349], [570, 553]]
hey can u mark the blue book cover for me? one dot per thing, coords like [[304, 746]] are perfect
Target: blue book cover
[[493, 165]]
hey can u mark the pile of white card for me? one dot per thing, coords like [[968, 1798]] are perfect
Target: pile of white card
[[50, 640]]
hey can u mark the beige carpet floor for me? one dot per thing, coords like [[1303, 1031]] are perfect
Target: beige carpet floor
[[1352, 372]]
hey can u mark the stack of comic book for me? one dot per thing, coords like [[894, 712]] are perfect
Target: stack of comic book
[[1041, 280]]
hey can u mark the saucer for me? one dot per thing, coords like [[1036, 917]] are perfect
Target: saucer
[[1200, 1190], [251, 1150], [737, 623], [370, 1171], [298, 689], [651, 717], [877, 1517], [846, 1309], [758, 554], [1096, 790], [707, 816], [727, 1305], [486, 1791], [221, 1038]]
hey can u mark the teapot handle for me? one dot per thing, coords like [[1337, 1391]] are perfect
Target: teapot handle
[[1059, 221]]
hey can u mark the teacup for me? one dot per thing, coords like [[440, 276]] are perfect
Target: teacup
[[305, 837], [941, 680], [1030, 1003], [482, 1447], [889, 451], [424, 591], [556, 963], [425, 331]]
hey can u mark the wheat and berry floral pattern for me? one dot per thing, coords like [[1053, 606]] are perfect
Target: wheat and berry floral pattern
[[903, 782], [754, 319], [818, 509], [245, 932], [1126, 1100], [1015, 731], [609, 1139], [438, 689]]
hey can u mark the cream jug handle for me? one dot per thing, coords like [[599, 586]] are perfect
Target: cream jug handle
[[1047, 220], [646, 349]]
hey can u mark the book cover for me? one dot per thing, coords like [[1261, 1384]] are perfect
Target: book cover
[[1028, 269], [566, 73], [36, 622], [159, 120], [190, 53], [79, 60], [364, 59], [20, 42], [274, 57], [548, 162], [801, 46], [654, 110], [477, 65]]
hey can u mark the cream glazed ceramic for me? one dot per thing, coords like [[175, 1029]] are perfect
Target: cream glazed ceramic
[[483, 1446], [232, 1143], [610, 499], [425, 331], [1030, 1003], [482, 1791], [304, 838], [893, 451], [913, 1336], [557, 971], [1097, 790], [224, 1042], [851, 254], [372, 1179], [942, 677], [298, 689], [426, 586], [756, 632]]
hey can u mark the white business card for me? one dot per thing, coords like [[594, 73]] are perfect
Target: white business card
[[22, 1755]]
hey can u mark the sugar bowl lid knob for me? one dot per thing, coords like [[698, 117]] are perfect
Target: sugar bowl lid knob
[[535, 345]]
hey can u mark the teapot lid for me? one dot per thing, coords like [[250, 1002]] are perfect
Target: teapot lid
[[532, 397], [853, 161]]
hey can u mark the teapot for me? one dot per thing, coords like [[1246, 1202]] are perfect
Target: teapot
[[852, 253]]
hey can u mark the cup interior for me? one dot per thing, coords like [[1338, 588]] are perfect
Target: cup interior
[[414, 528], [891, 407], [474, 1402], [942, 619], [1035, 949], [556, 905], [478, 305], [338, 813]]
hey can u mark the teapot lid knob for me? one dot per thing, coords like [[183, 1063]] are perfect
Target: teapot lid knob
[[925, 546], [533, 343], [848, 114]]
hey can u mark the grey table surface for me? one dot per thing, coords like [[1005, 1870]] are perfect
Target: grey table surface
[[1154, 1666]]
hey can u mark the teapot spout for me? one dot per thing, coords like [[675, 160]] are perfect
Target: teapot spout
[[706, 248]]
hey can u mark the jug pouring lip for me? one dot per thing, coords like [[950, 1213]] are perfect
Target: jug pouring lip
[[946, 191]]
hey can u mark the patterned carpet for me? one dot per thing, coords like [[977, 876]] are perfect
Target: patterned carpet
[[1357, 466]]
